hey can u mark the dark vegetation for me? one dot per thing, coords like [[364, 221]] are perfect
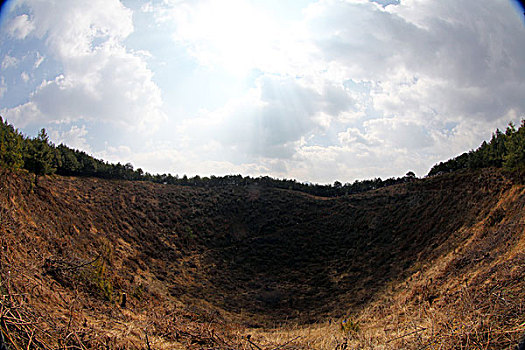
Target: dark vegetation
[[40, 156], [504, 150]]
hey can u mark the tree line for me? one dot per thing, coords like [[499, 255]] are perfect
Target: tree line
[[40, 156], [504, 150]]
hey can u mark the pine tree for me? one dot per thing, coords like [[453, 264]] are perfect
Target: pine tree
[[515, 157], [39, 155], [10, 146]]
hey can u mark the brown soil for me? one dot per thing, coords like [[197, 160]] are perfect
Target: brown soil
[[200, 268]]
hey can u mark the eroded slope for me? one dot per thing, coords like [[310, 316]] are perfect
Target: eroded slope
[[187, 257]]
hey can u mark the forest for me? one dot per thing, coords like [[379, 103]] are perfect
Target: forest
[[40, 156], [504, 150]]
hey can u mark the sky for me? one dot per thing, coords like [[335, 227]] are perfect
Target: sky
[[315, 90]]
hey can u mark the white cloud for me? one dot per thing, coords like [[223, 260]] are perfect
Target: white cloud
[[431, 64], [271, 120], [20, 26], [352, 89], [39, 60], [168, 157], [110, 85], [9, 62], [22, 115], [460, 58], [102, 81], [70, 28], [399, 135], [422, 75], [3, 87], [24, 76], [353, 136], [236, 35], [75, 138]]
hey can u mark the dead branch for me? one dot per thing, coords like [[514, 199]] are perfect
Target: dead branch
[[248, 339]]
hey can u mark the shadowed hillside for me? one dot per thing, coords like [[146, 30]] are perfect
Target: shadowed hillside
[[98, 262]]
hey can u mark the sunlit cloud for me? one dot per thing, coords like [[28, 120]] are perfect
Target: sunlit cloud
[[101, 80], [317, 90], [236, 35], [75, 137], [20, 26]]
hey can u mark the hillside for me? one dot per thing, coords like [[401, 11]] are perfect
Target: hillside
[[94, 263]]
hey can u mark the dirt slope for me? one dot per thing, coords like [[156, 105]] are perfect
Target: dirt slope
[[198, 266]]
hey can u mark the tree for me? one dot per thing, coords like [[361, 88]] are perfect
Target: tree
[[515, 157], [11, 143], [504, 150], [69, 164], [39, 155]]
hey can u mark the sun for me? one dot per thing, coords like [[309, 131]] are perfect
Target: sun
[[234, 34]]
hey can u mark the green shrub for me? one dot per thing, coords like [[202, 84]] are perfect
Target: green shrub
[[101, 280], [349, 326]]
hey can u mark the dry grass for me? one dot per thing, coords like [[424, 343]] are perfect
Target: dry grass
[[465, 321], [71, 250], [472, 297]]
